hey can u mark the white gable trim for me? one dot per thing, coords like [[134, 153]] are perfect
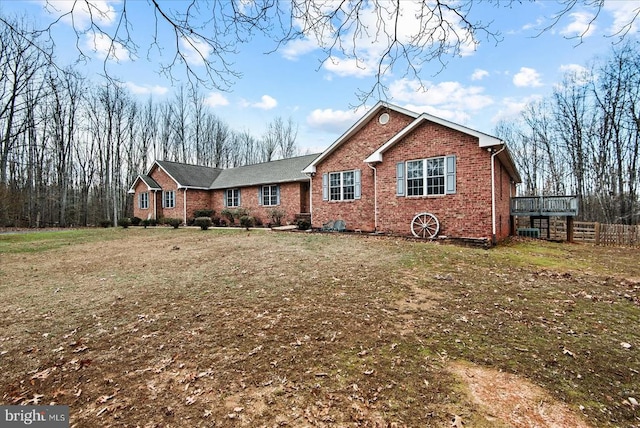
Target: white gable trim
[[311, 169], [135, 182], [484, 140]]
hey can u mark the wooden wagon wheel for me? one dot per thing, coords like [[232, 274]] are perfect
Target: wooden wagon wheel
[[425, 225]]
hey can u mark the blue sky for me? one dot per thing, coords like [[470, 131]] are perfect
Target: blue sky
[[475, 89]]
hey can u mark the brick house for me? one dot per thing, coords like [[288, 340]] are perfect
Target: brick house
[[394, 171], [176, 190]]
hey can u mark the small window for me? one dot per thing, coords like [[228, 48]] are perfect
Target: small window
[[270, 195], [169, 199], [384, 118], [232, 198], [143, 201]]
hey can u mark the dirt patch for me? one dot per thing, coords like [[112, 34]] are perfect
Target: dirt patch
[[505, 398]]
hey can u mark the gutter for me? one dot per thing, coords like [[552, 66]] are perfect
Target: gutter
[[493, 193]]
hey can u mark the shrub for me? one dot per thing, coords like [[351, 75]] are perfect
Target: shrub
[[124, 222], [173, 222], [246, 221], [135, 221], [304, 224], [145, 223], [203, 223], [276, 217], [233, 214], [229, 215], [105, 223], [203, 213]]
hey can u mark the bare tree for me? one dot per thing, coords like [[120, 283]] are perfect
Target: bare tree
[[65, 97], [383, 35], [590, 127]]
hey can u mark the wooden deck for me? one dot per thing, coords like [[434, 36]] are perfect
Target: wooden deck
[[545, 206]]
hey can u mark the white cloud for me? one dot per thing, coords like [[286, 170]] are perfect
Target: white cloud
[[266, 103], [573, 68], [623, 13], [449, 98], [79, 15], [297, 48], [512, 107], [577, 73], [349, 67], [333, 121], [479, 74], [195, 52], [581, 26], [146, 89], [377, 30], [527, 77], [105, 48], [216, 99]]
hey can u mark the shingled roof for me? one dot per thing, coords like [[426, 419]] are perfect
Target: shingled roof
[[278, 171], [150, 182], [191, 176]]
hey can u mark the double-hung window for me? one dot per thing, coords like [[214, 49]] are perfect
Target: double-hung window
[[232, 198], [169, 199], [341, 186], [143, 201], [427, 177], [269, 195]]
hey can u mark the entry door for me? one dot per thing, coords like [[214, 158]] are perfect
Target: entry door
[[304, 198]]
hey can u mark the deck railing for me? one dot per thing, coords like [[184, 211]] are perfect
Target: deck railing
[[552, 206]]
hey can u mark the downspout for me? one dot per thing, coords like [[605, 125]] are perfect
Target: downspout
[[493, 194], [375, 196], [311, 198], [184, 206], [155, 205]]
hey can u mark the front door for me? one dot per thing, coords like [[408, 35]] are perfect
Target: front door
[[304, 198]]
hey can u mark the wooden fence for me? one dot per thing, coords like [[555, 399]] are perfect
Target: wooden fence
[[555, 228]]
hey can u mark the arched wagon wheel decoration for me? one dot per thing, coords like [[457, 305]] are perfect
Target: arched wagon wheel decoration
[[425, 226]]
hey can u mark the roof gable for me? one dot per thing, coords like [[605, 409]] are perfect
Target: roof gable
[[484, 140], [150, 182], [278, 171], [375, 110], [188, 176]]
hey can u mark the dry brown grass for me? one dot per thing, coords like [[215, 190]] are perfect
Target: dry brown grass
[[163, 327]]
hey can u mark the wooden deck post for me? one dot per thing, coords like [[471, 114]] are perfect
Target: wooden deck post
[[569, 228]]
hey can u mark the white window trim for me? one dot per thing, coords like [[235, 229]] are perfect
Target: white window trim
[[235, 198], [168, 199], [342, 186], [143, 201], [425, 177], [270, 193]]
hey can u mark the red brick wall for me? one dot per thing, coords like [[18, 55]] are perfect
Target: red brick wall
[[505, 189], [148, 213], [289, 202], [167, 184], [358, 214], [467, 213]]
